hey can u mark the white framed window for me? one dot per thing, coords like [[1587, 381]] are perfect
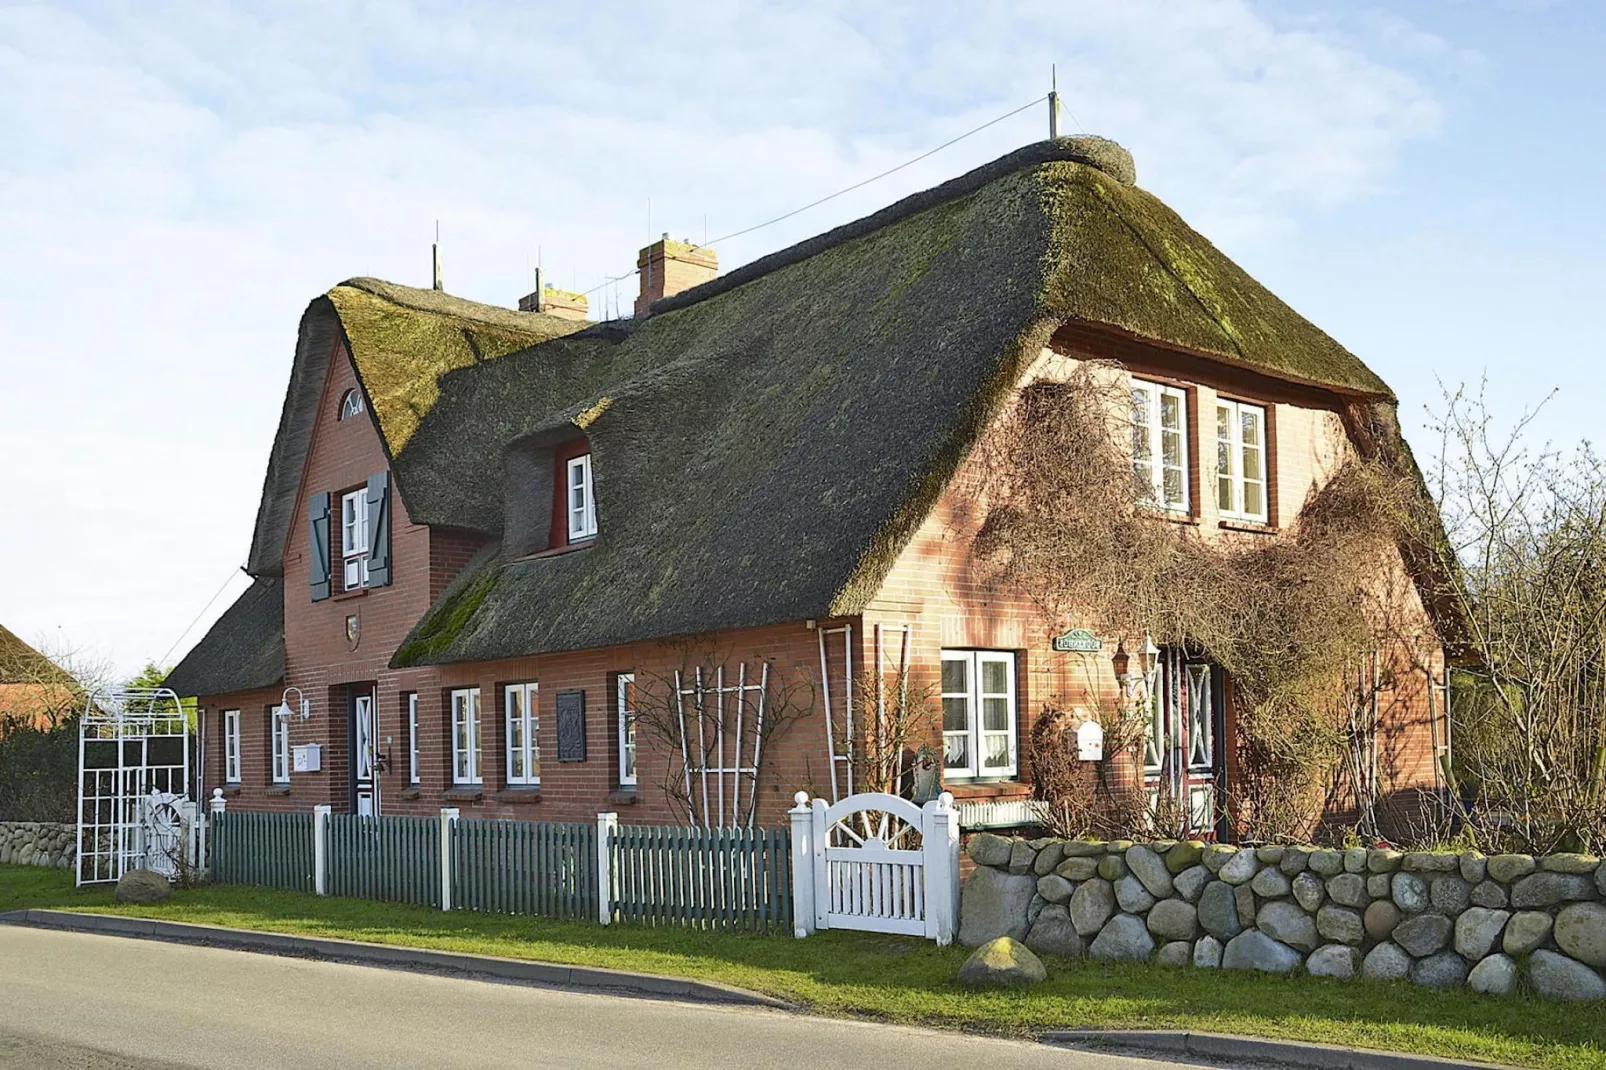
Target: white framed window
[[466, 736], [581, 499], [351, 404], [1241, 460], [412, 737], [231, 746], [978, 713], [279, 736], [626, 701], [354, 538], [1160, 444], [522, 704]]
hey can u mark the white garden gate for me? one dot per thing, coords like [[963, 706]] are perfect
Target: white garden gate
[[878, 863], [134, 771]]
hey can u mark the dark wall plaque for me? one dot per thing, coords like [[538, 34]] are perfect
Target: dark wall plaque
[[571, 706]]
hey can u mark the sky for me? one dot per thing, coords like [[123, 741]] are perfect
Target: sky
[[178, 181]]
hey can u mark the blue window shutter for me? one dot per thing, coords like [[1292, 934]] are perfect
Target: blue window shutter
[[379, 530], [318, 545]]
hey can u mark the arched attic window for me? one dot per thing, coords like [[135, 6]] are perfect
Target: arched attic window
[[351, 404]]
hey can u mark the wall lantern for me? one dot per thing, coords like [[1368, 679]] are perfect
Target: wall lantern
[[284, 703]]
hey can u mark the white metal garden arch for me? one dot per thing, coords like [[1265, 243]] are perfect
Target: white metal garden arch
[[134, 808]]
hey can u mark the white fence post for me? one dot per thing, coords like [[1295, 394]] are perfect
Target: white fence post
[[218, 804], [606, 823], [320, 848], [940, 838], [449, 815], [802, 865], [819, 840]]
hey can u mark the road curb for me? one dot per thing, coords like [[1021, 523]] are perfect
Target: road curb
[[1255, 1049], [384, 955]]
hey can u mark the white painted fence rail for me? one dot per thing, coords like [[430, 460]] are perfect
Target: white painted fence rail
[[877, 863]]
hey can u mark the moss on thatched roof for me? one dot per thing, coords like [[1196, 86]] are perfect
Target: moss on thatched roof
[[243, 651], [772, 439]]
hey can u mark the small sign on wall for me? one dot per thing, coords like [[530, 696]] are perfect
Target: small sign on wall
[[1090, 742], [571, 709], [1078, 641]]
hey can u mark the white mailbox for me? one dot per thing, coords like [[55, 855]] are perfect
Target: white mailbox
[[308, 757], [1090, 742]]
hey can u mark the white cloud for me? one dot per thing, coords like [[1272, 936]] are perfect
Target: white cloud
[[180, 180]]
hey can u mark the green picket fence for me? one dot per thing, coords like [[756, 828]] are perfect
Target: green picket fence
[[273, 850], [722, 878], [525, 867], [396, 859]]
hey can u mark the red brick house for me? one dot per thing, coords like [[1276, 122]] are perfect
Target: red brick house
[[483, 531]]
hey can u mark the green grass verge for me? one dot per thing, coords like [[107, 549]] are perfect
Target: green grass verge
[[904, 980]]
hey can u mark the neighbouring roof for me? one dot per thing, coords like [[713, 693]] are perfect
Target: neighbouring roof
[[766, 443], [243, 651], [22, 664]]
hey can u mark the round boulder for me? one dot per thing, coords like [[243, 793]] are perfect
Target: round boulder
[[1309, 891], [1174, 919], [1386, 962], [1444, 970], [1207, 953], [1091, 906], [1349, 890], [1478, 930], [988, 849], [1327, 862], [1003, 963], [1581, 932], [1526, 931], [1547, 889], [1254, 950], [1334, 960], [1218, 911], [1508, 868], [1410, 893], [1341, 924], [1053, 934], [1271, 883], [1560, 977], [1286, 922], [1054, 888], [1494, 976], [1381, 919], [1190, 882], [1150, 868], [1124, 938], [1424, 934], [1184, 855], [1176, 953], [1132, 895], [1240, 868], [1450, 895], [993, 904], [142, 886]]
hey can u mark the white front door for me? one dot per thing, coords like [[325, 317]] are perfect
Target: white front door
[[365, 785]]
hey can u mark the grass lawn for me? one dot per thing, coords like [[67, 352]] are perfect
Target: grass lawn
[[904, 980]]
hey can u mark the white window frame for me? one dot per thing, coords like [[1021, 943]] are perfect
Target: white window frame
[[626, 729], [1230, 461], [231, 746], [579, 498], [1147, 416], [354, 539], [351, 404], [466, 736], [279, 735], [975, 733], [524, 755], [412, 737]]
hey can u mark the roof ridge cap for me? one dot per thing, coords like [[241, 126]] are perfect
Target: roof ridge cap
[[1105, 156]]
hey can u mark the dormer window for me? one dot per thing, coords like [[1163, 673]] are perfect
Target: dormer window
[[351, 404], [581, 498]]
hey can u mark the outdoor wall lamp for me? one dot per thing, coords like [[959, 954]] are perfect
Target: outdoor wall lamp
[[284, 703]]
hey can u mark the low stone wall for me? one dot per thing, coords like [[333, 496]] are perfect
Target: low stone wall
[[38, 843], [1440, 920]]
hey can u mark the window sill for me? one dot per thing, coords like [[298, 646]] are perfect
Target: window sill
[[521, 796], [1173, 515], [622, 797], [277, 789], [231, 791], [346, 596], [464, 793], [408, 793], [558, 551], [1253, 527], [975, 789]]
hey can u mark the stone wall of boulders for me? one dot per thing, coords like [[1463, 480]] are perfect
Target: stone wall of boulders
[[38, 843], [1496, 924]]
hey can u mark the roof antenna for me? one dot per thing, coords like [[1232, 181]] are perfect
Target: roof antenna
[[435, 256], [1053, 103]]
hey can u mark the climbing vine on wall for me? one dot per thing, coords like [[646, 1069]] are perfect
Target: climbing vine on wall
[[1288, 616]]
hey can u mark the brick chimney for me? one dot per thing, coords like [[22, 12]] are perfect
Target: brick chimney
[[554, 302], [667, 267]]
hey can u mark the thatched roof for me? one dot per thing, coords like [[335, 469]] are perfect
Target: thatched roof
[[243, 651], [769, 441], [22, 664], [766, 443]]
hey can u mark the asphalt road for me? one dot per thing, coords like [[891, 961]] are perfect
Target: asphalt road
[[110, 1003]]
